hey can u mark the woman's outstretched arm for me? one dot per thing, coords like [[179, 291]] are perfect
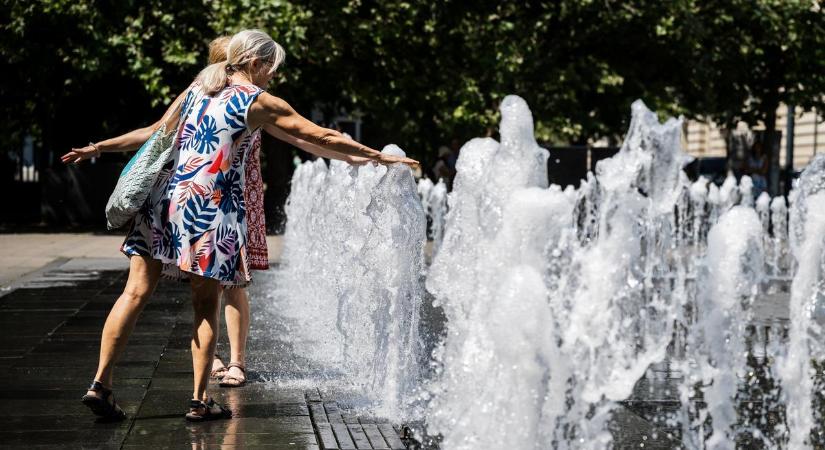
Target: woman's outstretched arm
[[125, 142], [272, 110], [312, 148]]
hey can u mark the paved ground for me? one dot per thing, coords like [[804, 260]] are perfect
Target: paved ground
[[55, 292], [50, 326], [24, 253]]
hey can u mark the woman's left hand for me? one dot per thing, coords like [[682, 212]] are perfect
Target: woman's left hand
[[80, 154], [358, 160]]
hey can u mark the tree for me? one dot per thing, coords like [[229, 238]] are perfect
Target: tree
[[73, 71], [421, 72], [747, 57]]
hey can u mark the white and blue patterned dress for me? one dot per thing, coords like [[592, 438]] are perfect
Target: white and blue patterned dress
[[195, 218]]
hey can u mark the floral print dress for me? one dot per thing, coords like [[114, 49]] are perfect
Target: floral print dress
[[194, 220], [255, 215]]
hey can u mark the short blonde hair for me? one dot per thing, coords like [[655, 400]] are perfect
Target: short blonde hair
[[244, 47]]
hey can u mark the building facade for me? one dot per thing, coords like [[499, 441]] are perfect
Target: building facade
[[706, 140]]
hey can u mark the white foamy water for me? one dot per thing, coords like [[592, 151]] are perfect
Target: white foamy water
[[599, 331], [351, 278], [560, 304], [438, 213], [434, 202], [490, 366], [807, 337], [728, 286]]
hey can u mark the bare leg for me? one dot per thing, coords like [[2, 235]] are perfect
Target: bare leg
[[205, 302], [144, 273], [237, 326], [218, 367]]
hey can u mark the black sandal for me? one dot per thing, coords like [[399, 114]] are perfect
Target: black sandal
[[211, 411], [100, 406]]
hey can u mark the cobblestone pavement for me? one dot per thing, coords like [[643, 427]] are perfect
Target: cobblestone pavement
[[50, 328]]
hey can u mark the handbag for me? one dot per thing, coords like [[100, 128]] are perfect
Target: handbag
[[138, 177], [136, 180]]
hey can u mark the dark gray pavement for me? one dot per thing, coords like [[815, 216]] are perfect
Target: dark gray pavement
[[50, 328]]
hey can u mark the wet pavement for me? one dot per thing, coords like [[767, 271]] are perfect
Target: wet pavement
[[50, 328]]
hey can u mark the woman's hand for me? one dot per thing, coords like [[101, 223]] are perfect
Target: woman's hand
[[357, 160], [80, 154], [392, 159]]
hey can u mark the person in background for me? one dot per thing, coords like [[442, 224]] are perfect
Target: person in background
[[455, 149], [757, 168], [441, 169]]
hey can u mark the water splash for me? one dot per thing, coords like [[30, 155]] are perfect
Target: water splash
[[351, 278], [779, 263], [425, 186], [615, 319], [560, 305], [601, 329], [807, 337], [434, 202], [728, 287], [438, 213], [487, 364], [638, 272]]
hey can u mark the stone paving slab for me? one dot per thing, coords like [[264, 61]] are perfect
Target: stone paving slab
[[24, 253], [50, 328]]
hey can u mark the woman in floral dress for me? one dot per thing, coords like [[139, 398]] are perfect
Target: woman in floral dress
[[194, 224], [236, 300]]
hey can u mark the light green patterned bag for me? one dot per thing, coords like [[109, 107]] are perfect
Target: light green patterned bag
[[138, 177]]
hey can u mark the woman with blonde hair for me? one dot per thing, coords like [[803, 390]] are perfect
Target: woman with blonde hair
[[236, 310], [194, 224]]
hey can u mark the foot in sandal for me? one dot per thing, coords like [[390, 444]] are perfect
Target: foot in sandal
[[235, 375], [102, 403], [218, 368], [200, 411]]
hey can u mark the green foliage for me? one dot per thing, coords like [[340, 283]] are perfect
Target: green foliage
[[747, 56], [421, 72]]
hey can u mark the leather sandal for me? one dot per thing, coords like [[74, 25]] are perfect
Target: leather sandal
[[231, 380], [220, 372], [100, 406], [210, 410]]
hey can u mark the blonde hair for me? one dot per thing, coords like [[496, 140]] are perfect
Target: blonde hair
[[217, 49], [244, 47]]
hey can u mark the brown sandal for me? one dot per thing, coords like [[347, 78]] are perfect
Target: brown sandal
[[217, 374], [233, 381]]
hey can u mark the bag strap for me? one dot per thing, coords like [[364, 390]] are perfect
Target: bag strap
[[171, 120]]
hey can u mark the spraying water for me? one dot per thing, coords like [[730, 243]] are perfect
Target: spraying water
[[637, 272], [351, 278], [485, 360], [560, 305], [728, 288], [434, 202], [807, 337], [602, 328], [438, 212]]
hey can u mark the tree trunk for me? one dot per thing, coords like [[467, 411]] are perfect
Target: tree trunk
[[770, 144]]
